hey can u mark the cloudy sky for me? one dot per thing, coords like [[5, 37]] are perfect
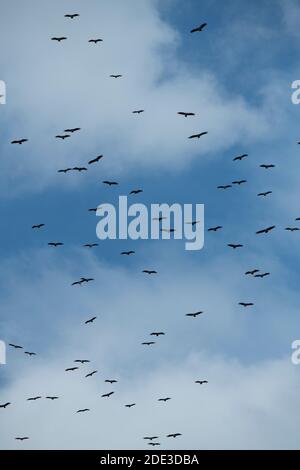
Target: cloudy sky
[[236, 76]]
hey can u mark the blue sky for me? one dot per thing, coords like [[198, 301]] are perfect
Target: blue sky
[[236, 76]]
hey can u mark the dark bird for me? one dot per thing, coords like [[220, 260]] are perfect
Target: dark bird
[[176, 434], [15, 346], [215, 229], [95, 41], [79, 168], [72, 16], [59, 39], [266, 230], [110, 183], [71, 369], [65, 170], [197, 136], [38, 226], [254, 271], [33, 398], [90, 245], [111, 381], [91, 320], [164, 399], [240, 157], [148, 271], [87, 279], [159, 219], [267, 166], [168, 230], [115, 76], [55, 244], [224, 186], [21, 438], [30, 353], [150, 438], [297, 219], [83, 410], [5, 405], [95, 160], [148, 343], [199, 28], [52, 398], [62, 137], [246, 304], [82, 361], [107, 395], [128, 253], [239, 182], [157, 333], [19, 142], [292, 229], [201, 382], [182, 113], [93, 209], [232, 245], [195, 314], [136, 191], [76, 283], [91, 374], [72, 130], [153, 444], [262, 275], [138, 111], [266, 193], [130, 405]]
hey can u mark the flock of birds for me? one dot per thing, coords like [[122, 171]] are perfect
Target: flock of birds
[[67, 133]]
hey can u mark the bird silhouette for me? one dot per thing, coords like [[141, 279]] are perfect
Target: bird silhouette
[[59, 39], [95, 160], [224, 186], [107, 395], [72, 130], [62, 137], [79, 168], [136, 191], [22, 438], [176, 434], [239, 182], [148, 343], [91, 245], [91, 320], [30, 353], [194, 314], [150, 438], [182, 113], [130, 405], [95, 41], [292, 229], [235, 246], [111, 381], [110, 183], [164, 399], [82, 361], [64, 170], [215, 229], [138, 111], [55, 244], [197, 136], [198, 29], [267, 166], [262, 275], [52, 398], [157, 333], [72, 16], [148, 271], [19, 142], [91, 374], [246, 304], [34, 398], [266, 193], [37, 226], [240, 157], [266, 230], [116, 76], [5, 405], [128, 253], [201, 382], [254, 271], [71, 369], [84, 410], [15, 346]]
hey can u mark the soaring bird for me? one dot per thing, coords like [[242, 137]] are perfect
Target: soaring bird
[[266, 193], [55, 244], [240, 157], [91, 245], [38, 226], [96, 159], [65, 170], [182, 113], [83, 410], [197, 136], [21, 438], [59, 39], [148, 271], [110, 381], [194, 314], [82, 361], [168, 230], [292, 229], [5, 405], [30, 353], [224, 186], [52, 398], [148, 343], [110, 183], [128, 253], [193, 222], [91, 320], [267, 166], [87, 279], [254, 271], [138, 111], [15, 346], [136, 191], [91, 374], [198, 29], [19, 142], [34, 398], [107, 395], [79, 168], [262, 275], [130, 405], [201, 382], [72, 130], [153, 444], [159, 219], [62, 137], [246, 304], [164, 399], [214, 229], [116, 76], [150, 438], [72, 16], [239, 182], [95, 41], [176, 434], [71, 369], [234, 246], [266, 230], [157, 333]]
